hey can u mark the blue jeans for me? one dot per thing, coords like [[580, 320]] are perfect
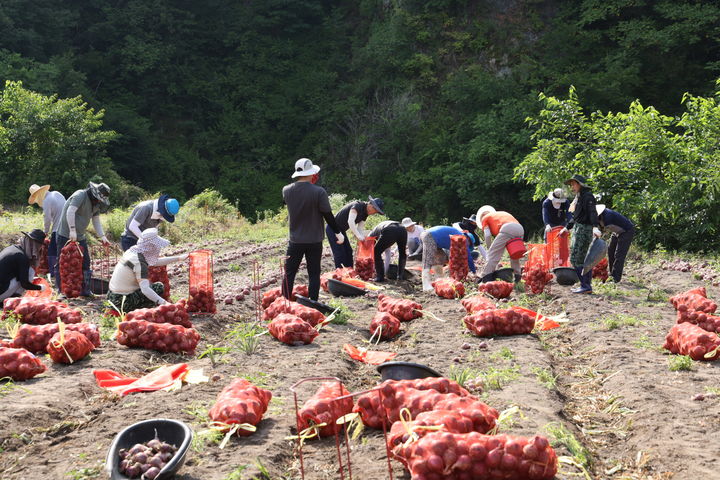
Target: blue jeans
[[53, 265], [127, 242], [342, 253]]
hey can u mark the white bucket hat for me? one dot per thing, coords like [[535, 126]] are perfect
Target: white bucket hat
[[407, 222], [304, 168], [557, 195], [37, 194], [482, 211], [600, 208]]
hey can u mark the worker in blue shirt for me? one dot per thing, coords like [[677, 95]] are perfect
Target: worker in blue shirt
[[556, 210], [623, 231], [435, 241]]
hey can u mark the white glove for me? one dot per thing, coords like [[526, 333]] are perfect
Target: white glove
[[73, 235], [104, 240], [162, 301], [361, 237], [597, 232], [43, 287], [340, 238], [563, 231], [183, 257], [547, 228]]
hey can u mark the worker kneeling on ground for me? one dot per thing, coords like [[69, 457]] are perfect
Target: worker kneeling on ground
[[499, 229], [435, 241], [148, 214], [17, 264], [130, 286]]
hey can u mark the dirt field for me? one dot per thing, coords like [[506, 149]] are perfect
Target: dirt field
[[601, 376]]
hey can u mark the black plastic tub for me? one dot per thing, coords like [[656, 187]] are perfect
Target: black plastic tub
[[170, 431], [319, 306], [405, 371], [342, 289], [565, 276], [505, 274]]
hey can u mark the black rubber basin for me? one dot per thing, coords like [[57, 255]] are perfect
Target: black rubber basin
[[173, 432], [405, 371]]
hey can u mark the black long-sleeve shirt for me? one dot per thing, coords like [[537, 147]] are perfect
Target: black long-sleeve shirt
[[14, 264], [585, 212]]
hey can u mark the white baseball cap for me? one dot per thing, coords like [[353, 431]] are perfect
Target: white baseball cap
[[304, 168]]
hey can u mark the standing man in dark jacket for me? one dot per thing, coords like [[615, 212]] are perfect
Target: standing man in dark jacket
[[389, 233], [585, 226], [623, 231], [17, 263], [352, 217], [307, 205], [556, 210]]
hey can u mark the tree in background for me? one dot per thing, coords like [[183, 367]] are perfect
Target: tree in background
[[50, 140], [663, 172]]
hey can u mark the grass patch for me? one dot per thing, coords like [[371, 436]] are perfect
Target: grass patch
[[84, 473], [496, 378], [611, 322], [562, 436], [462, 375], [343, 313], [645, 342], [108, 327], [245, 336], [678, 363], [214, 353], [545, 377], [713, 390], [503, 354], [608, 289], [7, 385]]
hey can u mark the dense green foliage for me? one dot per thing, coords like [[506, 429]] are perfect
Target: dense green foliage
[[661, 171], [422, 102]]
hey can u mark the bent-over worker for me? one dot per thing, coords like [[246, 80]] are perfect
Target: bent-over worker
[[435, 241], [499, 228], [556, 210], [351, 217], [17, 265], [307, 205], [82, 207], [130, 287], [389, 233], [414, 244], [52, 204], [623, 231], [148, 214]]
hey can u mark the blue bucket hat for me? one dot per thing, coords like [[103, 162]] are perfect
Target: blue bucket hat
[[168, 207]]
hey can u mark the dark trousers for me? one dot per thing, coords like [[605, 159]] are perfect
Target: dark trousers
[[617, 253], [127, 242], [389, 236], [342, 253], [61, 241], [52, 255], [295, 253]]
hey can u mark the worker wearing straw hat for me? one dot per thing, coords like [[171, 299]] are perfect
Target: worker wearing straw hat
[[623, 231], [52, 203]]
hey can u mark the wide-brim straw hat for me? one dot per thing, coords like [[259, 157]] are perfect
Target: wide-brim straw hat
[[37, 194]]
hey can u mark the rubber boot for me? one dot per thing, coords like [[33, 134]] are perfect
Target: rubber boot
[[585, 286], [86, 291], [426, 280]]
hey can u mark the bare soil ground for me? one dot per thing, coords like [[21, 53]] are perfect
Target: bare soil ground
[[602, 376]]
